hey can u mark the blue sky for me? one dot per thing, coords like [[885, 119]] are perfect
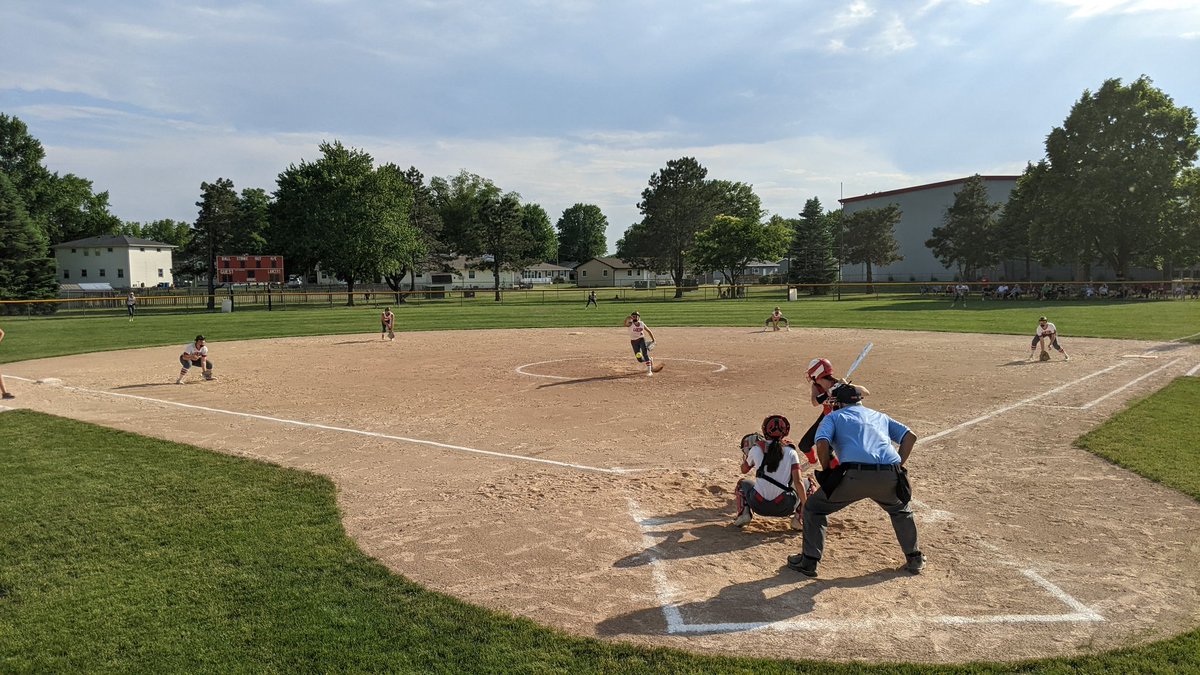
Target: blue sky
[[568, 101]]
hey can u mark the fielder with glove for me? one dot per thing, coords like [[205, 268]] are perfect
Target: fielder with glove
[[195, 354], [1046, 331], [641, 348]]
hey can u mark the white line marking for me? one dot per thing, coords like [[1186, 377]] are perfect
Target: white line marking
[[998, 411], [1193, 371], [4, 408], [520, 370], [326, 427], [667, 596], [1129, 384], [1185, 337], [1062, 596], [663, 591], [1139, 356]]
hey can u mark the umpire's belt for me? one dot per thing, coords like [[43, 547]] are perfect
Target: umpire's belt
[[868, 467]]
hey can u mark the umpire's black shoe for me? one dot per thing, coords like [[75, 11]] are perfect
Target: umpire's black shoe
[[803, 564], [916, 562]]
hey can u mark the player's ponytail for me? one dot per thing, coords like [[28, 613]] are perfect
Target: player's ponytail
[[774, 455]]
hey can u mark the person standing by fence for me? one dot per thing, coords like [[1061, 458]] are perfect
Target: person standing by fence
[[131, 304]]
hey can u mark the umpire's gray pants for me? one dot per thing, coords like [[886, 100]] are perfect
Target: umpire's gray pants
[[857, 485]]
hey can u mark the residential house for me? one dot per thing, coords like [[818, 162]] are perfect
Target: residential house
[[121, 261]]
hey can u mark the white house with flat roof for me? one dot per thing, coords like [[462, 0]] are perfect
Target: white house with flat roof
[[120, 261]]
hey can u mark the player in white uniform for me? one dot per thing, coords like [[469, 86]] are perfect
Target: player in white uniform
[[637, 338], [777, 489], [774, 320], [1046, 329], [195, 354]]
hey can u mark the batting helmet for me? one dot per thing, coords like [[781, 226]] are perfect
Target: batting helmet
[[818, 368], [776, 427]]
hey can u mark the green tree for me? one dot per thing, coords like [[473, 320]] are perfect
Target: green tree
[[213, 230], [581, 233], [502, 238], [64, 207], [174, 232], [1179, 244], [677, 203], [542, 243], [969, 237], [811, 258], [1025, 211], [250, 233], [26, 268], [870, 238], [1112, 167], [458, 200], [731, 243], [427, 251], [341, 213]]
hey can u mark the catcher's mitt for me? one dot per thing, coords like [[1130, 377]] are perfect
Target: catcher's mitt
[[749, 441], [1045, 356]]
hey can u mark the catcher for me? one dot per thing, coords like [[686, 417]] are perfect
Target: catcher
[[775, 319], [777, 466], [387, 323], [637, 338], [195, 354], [1046, 331]]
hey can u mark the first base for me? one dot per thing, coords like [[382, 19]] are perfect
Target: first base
[[53, 381]]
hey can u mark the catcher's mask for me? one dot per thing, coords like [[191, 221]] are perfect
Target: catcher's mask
[[818, 368], [775, 427], [845, 394]]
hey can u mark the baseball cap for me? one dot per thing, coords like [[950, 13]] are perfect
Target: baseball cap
[[1041, 318], [199, 338]]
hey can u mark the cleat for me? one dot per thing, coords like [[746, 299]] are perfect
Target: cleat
[[744, 517]]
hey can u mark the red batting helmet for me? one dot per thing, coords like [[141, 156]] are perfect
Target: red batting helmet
[[818, 368], [776, 427]]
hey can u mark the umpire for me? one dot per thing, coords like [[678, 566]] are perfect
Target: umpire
[[870, 468]]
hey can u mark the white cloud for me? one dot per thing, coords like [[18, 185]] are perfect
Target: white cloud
[[1090, 8]]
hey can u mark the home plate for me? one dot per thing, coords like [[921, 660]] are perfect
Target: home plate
[[1138, 356]]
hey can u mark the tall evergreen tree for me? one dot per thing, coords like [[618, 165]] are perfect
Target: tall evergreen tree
[[581, 233], [870, 238], [26, 268], [811, 259]]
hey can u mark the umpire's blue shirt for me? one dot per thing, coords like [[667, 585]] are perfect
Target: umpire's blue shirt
[[862, 435]]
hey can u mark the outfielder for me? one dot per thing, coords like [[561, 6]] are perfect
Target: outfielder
[[1046, 330], [773, 490], [195, 354], [637, 338], [775, 319]]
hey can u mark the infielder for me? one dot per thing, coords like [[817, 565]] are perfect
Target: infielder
[[195, 354], [773, 490], [774, 320], [637, 338], [1046, 330], [387, 322]]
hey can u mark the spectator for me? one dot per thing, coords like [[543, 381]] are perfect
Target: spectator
[[1103, 290]]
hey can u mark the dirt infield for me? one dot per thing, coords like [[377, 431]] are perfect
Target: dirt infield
[[540, 472]]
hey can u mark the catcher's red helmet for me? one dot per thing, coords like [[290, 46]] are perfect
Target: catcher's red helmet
[[775, 427], [818, 368]]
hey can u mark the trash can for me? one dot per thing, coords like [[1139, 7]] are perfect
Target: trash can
[[791, 295], [227, 305]]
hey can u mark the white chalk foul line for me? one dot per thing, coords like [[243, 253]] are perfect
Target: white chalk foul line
[[999, 411], [345, 430], [520, 370], [668, 600], [1129, 384], [1194, 370]]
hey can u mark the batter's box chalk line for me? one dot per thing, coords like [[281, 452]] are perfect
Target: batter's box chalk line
[[669, 598]]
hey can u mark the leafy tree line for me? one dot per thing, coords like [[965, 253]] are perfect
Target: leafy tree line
[[1117, 185]]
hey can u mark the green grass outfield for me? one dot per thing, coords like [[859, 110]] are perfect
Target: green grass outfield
[[30, 338], [124, 553]]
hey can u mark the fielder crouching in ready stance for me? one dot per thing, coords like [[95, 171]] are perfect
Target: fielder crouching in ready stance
[[195, 354], [870, 469]]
